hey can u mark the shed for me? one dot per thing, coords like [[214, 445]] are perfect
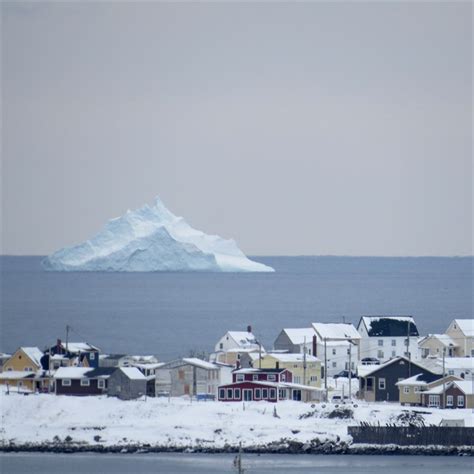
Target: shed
[[127, 383]]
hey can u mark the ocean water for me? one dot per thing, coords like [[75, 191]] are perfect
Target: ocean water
[[172, 314], [223, 463]]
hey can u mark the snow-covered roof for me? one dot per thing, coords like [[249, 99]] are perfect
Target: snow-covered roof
[[415, 380], [71, 372], [298, 335], [202, 364], [77, 347], [461, 363], [145, 359], [34, 354], [390, 326], [293, 357], [243, 338], [466, 326], [467, 386], [132, 373], [336, 331], [149, 366], [16, 374], [365, 370], [444, 339]]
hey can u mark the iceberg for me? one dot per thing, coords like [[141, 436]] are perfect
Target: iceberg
[[153, 239]]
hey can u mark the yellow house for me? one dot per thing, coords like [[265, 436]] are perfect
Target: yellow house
[[412, 388], [295, 364], [21, 368]]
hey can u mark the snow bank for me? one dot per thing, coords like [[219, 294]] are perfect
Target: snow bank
[[153, 239], [178, 423]]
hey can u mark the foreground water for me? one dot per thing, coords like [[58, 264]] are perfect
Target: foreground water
[[169, 314], [217, 463]]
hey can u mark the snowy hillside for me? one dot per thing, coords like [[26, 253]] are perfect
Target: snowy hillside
[[153, 239]]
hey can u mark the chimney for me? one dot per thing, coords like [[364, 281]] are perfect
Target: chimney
[[249, 328], [237, 364], [315, 352], [277, 365]]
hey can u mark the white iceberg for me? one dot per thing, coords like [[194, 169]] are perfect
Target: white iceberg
[[152, 239]]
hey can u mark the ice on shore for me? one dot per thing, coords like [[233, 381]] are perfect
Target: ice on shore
[[153, 239]]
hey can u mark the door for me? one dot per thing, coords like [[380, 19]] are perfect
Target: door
[[296, 395], [247, 395]]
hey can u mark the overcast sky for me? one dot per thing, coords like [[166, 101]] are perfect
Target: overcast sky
[[310, 128]]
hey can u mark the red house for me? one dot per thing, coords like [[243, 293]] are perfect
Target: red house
[[269, 385]]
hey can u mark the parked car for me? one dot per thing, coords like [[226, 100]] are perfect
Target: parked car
[[345, 373], [370, 361], [338, 398]]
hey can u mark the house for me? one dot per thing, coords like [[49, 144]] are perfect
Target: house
[[295, 340], [127, 383], [462, 332], [271, 385], [385, 337], [138, 359], [462, 367], [149, 372], [454, 394], [233, 344], [82, 380], [434, 345], [305, 369], [80, 354], [113, 360], [412, 387], [378, 383], [188, 376], [21, 369], [337, 344]]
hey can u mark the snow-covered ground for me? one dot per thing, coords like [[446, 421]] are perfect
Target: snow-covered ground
[[179, 422]]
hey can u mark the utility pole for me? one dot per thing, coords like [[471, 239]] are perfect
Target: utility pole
[[259, 354], [408, 348], [326, 367], [304, 362], [350, 370], [67, 336], [444, 382]]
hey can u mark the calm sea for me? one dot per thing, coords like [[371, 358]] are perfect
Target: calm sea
[[222, 463], [171, 314]]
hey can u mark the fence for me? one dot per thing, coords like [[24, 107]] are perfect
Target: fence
[[412, 436]]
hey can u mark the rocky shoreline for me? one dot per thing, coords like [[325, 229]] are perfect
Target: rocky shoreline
[[283, 446]]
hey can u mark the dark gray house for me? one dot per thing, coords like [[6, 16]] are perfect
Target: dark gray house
[[127, 383], [378, 383], [82, 381]]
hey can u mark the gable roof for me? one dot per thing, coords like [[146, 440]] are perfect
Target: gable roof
[[298, 335], [202, 364], [336, 331], [444, 339], [466, 326], [419, 379], [34, 354], [291, 357], [243, 338], [133, 373], [259, 371], [77, 347], [389, 326], [71, 372], [375, 368], [466, 386]]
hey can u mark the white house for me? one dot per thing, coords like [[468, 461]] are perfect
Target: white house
[[462, 332], [385, 337], [337, 343], [233, 344], [436, 344]]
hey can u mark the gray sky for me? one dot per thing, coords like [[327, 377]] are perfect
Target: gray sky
[[310, 128]]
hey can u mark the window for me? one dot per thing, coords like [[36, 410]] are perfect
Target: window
[[85, 382], [313, 378], [283, 377], [100, 383], [297, 379], [255, 377], [416, 389], [394, 353], [348, 351], [334, 365], [282, 393], [239, 377], [271, 377], [380, 342], [265, 393], [258, 394], [334, 352], [394, 342], [381, 384], [272, 393], [433, 401], [221, 346], [449, 401], [450, 372], [295, 366], [236, 394], [229, 393], [221, 393], [66, 382], [406, 389], [460, 401], [380, 354], [28, 369], [9, 369], [92, 356]]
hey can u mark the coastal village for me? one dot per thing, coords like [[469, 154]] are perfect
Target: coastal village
[[383, 359]]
